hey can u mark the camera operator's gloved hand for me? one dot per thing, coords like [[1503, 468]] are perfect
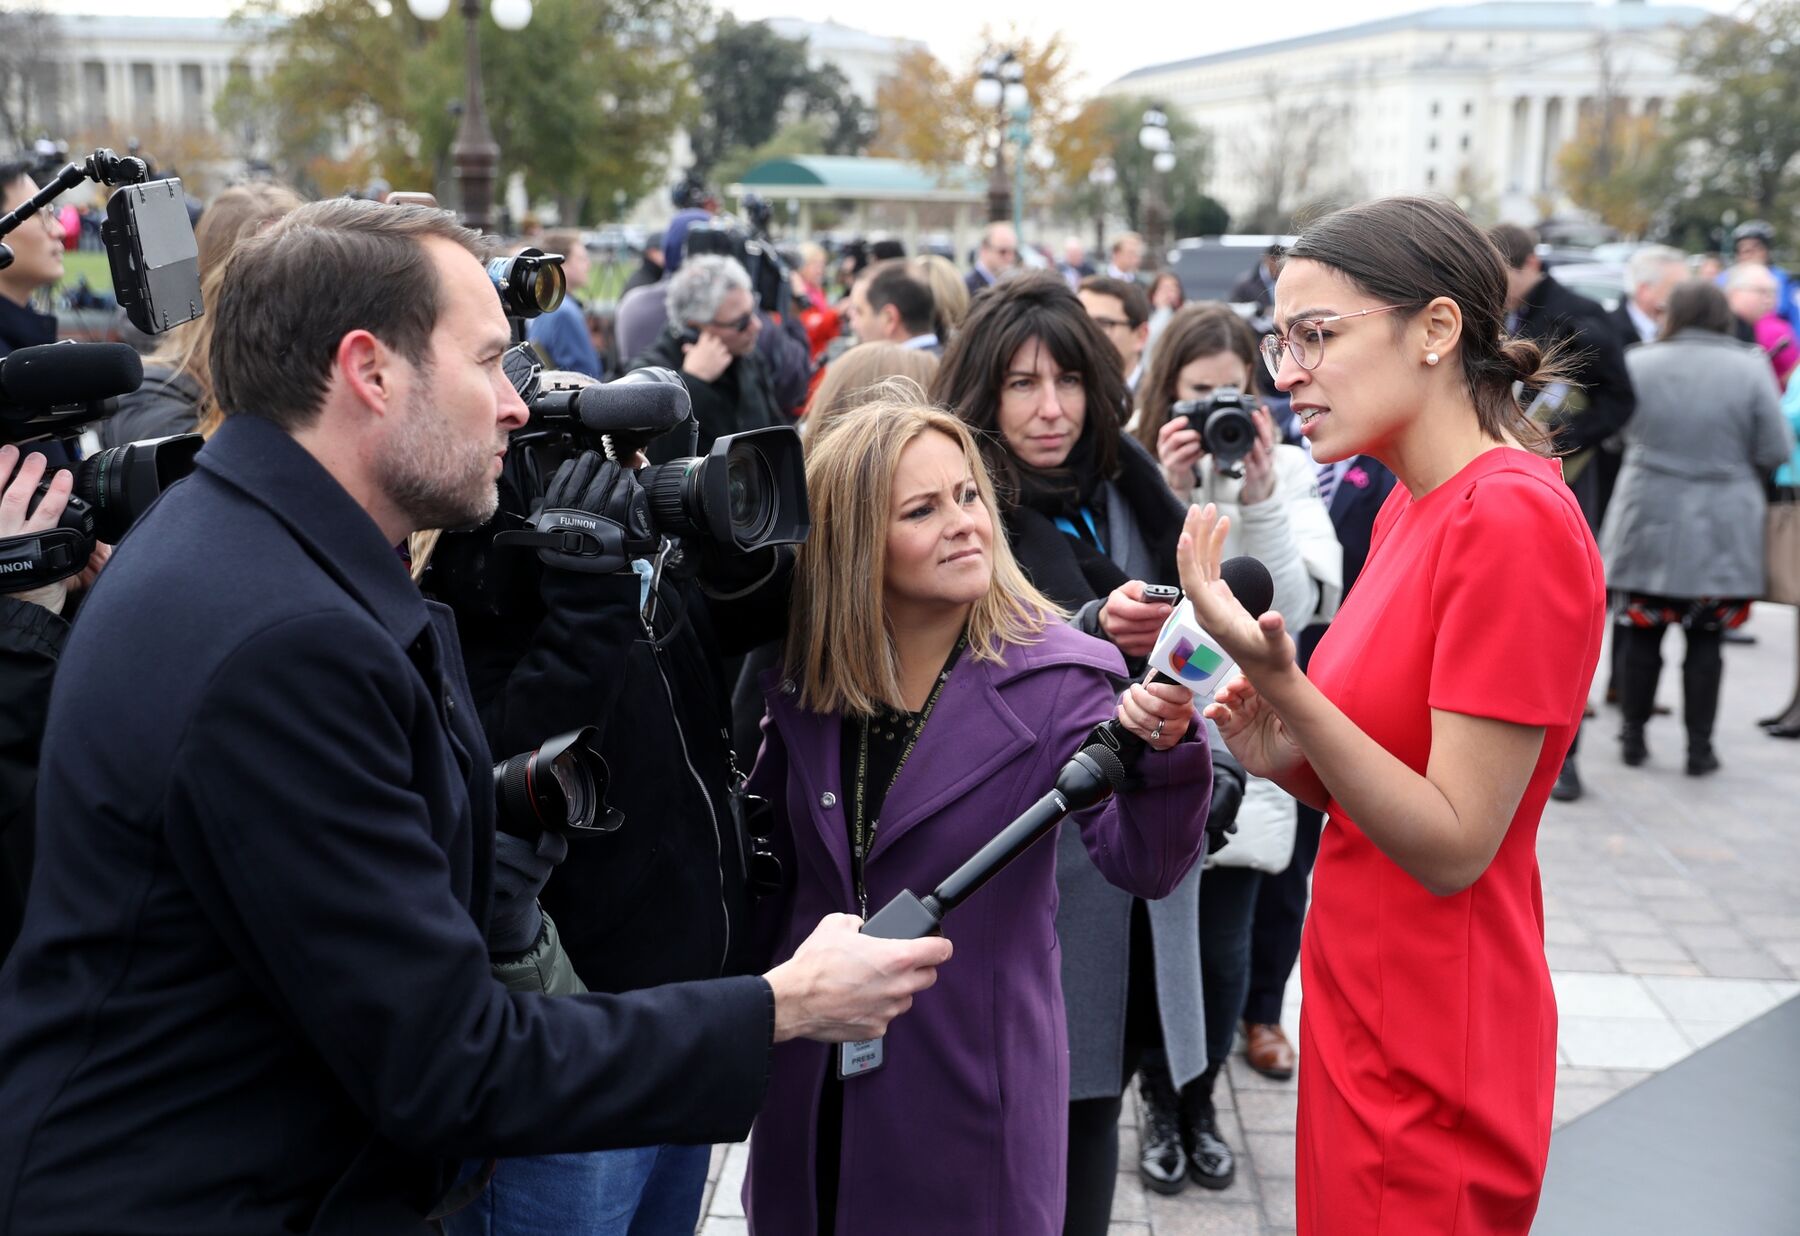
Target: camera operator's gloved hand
[[521, 869], [589, 486]]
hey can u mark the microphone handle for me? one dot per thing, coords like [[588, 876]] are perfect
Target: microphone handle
[[1130, 747], [1010, 842]]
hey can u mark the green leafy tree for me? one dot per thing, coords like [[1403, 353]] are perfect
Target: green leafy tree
[[750, 82], [1732, 144], [583, 102], [1107, 128]]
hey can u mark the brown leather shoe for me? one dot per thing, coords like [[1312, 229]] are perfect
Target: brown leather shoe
[[1268, 1051]]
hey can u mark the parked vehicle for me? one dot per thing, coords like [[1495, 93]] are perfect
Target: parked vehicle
[[1208, 266]]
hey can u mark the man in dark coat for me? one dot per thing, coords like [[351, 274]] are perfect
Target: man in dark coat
[[1585, 411], [252, 991], [710, 340]]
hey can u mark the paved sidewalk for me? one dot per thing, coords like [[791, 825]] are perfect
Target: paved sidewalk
[[1672, 911]]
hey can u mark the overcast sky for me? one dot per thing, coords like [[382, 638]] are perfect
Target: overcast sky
[[1109, 39]]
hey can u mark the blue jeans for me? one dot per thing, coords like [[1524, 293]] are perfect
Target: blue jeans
[[649, 1191]]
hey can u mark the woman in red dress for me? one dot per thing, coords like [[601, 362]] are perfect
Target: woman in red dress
[[1439, 708]]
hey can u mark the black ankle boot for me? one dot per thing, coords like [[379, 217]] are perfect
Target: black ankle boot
[[1701, 760], [1631, 745], [1211, 1164], [1161, 1161]]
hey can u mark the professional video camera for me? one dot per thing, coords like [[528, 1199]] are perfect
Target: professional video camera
[[747, 492], [1224, 424], [558, 788], [749, 243], [48, 393]]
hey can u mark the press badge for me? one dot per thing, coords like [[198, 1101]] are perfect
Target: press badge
[[855, 1059]]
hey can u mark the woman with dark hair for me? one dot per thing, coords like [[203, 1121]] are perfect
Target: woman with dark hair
[[1683, 537], [1272, 499], [1090, 520], [1431, 727]]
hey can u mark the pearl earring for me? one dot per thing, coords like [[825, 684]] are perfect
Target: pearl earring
[[1431, 358]]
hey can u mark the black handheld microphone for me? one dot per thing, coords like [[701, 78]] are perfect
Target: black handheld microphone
[[1092, 775], [1251, 583]]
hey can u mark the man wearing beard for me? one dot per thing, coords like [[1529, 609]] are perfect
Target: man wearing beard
[[252, 990]]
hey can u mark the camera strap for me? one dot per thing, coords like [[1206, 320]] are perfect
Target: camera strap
[[33, 559], [574, 541]]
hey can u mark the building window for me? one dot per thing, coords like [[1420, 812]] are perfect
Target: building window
[[1468, 108], [1434, 109], [1465, 141], [1431, 142], [1431, 176]]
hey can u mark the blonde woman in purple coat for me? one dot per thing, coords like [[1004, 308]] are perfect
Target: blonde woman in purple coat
[[929, 695]]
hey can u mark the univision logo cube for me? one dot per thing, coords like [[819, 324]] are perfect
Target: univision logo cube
[[1194, 662]]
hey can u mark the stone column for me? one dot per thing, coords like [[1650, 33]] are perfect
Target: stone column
[[1533, 179]]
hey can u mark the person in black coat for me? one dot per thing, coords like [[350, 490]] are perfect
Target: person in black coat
[[1581, 414], [665, 897], [32, 631], [252, 992], [1358, 488], [711, 341]]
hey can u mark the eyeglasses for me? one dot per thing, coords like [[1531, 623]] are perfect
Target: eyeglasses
[[1111, 323], [737, 324], [1305, 341]]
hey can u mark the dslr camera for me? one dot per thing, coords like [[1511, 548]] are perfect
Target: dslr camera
[[1224, 423], [50, 392]]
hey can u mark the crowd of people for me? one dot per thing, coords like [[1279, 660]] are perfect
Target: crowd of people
[[283, 965]]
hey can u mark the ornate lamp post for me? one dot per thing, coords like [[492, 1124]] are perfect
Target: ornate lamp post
[[1002, 88], [1154, 137], [474, 155]]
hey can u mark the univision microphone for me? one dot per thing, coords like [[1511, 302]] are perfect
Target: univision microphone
[[1185, 653]]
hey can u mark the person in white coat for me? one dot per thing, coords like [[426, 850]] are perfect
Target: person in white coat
[[1272, 499]]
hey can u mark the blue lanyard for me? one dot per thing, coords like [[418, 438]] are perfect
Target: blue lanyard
[[1087, 517]]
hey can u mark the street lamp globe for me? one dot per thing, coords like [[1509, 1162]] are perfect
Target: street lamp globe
[[1164, 161], [511, 14], [428, 10], [988, 91]]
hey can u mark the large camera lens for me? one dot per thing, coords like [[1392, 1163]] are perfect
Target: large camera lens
[[529, 284], [560, 788], [1229, 435], [747, 492], [751, 488], [121, 482]]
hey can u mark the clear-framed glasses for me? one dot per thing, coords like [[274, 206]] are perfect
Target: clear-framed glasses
[[1305, 340]]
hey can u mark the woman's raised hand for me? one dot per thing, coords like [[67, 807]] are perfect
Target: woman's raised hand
[[1260, 645], [1252, 730]]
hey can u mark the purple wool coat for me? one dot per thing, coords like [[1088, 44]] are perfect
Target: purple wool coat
[[964, 1129]]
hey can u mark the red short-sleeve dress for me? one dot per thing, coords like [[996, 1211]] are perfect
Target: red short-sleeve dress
[[1428, 1027]]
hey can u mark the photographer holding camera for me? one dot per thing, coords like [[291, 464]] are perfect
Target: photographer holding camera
[[32, 632], [710, 339], [637, 653], [252, 991]]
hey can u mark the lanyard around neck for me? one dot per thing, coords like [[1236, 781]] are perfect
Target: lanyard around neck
[[862, 829]]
